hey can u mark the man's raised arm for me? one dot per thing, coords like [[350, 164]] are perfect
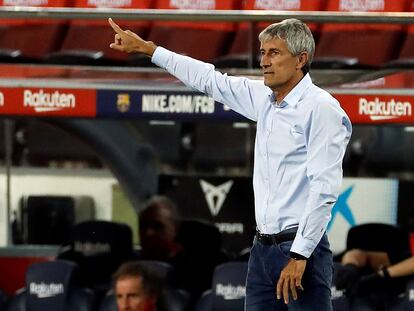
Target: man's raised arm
[[235, 92]]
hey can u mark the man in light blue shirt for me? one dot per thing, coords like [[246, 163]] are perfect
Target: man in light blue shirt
[[301, 137]]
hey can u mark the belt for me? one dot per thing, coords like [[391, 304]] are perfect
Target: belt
[[271, 239]]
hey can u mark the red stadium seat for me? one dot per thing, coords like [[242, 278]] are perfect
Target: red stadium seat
[[238, 55], [360, 45], [405, 58], [25, 40], [202, 40], [87, 41]]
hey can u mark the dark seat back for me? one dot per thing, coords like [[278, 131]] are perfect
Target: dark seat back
[[201, 253], [99, 247], [52, 286], [228, 289], [164, 270], [393, 240], [19, 38]]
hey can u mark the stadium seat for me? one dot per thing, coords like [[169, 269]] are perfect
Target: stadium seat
[[201, 253], [393, 240], [46, 219], [205, 302], [359, 46], [238, 55], [52, 286], [228, 289], [87, 41], [405, 58], [99, 247], [202, 40], [49, 219], [163, 269], [20, 38]]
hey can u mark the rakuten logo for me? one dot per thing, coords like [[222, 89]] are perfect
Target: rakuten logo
[[110, 3], [277, 4], [361, 5], [43, 290], [46, 102], [92, 249], [336, 293], [25, 2], [230, 292], [378, 110]]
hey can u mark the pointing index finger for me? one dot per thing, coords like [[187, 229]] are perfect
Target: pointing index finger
[[115, 27]]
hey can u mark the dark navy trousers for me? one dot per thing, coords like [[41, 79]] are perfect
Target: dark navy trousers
[[265, 264]]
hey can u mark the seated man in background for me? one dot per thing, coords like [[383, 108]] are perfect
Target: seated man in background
[[369, 273], [181, 243], [136, 288], [158, 227]]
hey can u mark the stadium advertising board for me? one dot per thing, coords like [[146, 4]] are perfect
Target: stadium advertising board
[[162, 105], [48, 102], [362, 200], [374, 109]]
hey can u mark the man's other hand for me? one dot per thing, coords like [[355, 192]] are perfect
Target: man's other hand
[[129, 42], [290, 280]]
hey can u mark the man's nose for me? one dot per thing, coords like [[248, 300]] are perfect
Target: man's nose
[[123, 305], [264, 63]]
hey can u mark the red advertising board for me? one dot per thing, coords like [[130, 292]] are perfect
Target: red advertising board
[[48, 102], [377, 108]]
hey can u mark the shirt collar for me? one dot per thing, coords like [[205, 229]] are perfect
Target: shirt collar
[[293, 97]]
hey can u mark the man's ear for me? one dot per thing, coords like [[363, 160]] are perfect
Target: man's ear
[[302, 60]]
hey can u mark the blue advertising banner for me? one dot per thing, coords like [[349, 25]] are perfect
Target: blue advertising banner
[[160, 105]]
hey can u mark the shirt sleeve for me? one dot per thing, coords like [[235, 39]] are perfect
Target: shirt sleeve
[[327, 135], [235, 92]]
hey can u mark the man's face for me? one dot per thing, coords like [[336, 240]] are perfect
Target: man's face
[[157, 232], [280, 68], [131, 297]]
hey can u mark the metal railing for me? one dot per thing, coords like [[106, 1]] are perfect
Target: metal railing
[[208, 15]]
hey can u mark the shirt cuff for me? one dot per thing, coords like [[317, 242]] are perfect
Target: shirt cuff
[[297, 256], [160, 56], [303, 246]]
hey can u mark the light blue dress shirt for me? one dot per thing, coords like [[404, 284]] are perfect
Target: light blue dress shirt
[[300, 144]]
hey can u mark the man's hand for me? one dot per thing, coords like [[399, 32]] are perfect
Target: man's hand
[[290, 280], [130, 42]]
